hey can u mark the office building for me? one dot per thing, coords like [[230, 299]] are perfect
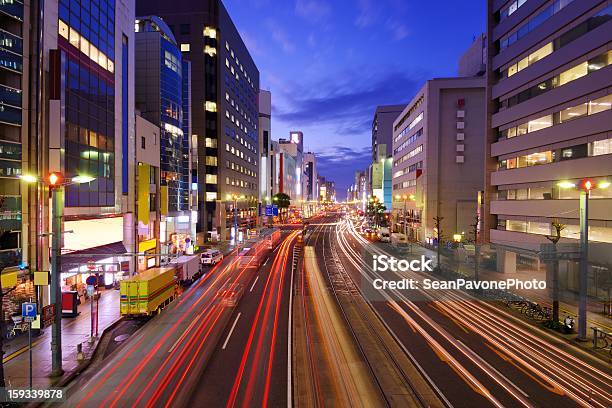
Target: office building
[[160, 85], [224, 116], [381, 177], [549, 120], [289, 162], [437, 158], [310, 177], [265, 148], [382, 128], [310, 185], [89, 130], [473, 61], [149, 208], [17, 135]]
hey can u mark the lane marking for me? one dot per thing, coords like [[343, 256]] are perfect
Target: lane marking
[[231, 331], [254, 282], [267, 259], [289, 343]]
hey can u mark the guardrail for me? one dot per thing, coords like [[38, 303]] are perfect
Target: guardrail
[[602, 339]]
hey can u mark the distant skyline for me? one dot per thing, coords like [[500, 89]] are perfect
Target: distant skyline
[[329, 64]]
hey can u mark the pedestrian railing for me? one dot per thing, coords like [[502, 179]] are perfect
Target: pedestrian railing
[[602, 339]]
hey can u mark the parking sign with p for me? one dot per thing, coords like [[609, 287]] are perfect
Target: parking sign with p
[[28, 311]]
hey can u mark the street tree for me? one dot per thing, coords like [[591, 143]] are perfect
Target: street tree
[[283, 201]]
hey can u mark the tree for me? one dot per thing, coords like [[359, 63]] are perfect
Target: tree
[[475, 228], [375, 209], [439, 237], [555, 267], [283, 201]]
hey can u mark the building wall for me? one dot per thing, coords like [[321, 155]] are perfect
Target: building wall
[[212, 39], [265, 146], [564, 124], [437, 160], [382, 127], [18, 224]]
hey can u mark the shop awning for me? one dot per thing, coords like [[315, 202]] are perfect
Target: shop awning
[[75, 259]]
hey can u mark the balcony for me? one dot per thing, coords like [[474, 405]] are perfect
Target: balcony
[[10, 114], [11, 61], [11, 42], [13, 8], [10, 96]]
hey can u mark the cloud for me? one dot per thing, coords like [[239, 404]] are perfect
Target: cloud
[[368, 13], [312, 10], [339, 164], [348, 102], [398, 30], [280, 36]]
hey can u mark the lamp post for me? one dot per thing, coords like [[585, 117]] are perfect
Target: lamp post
[[235, 198], [585, 187], [56, 183]]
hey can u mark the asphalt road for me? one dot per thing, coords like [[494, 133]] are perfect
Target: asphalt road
[[161, 364], [249, 365], [476, 354]]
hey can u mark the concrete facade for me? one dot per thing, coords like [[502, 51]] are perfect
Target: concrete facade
[[437, 158], [549, 119], [382, 128]]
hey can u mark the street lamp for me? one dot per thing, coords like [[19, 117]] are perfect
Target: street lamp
[[56, 182], [585, 186], [235, 198]]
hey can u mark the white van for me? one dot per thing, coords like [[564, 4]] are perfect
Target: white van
[[384, 235], [211, 257]]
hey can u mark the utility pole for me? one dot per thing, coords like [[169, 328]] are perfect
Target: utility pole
[[475, 227], [57, 200], [555, 268], [439, 236]]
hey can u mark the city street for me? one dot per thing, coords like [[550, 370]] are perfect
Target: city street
[[473, 352]]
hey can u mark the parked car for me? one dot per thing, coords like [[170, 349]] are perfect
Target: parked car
[[211, 257]]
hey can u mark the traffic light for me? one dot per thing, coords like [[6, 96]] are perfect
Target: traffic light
[[54, 179], [587, 184]]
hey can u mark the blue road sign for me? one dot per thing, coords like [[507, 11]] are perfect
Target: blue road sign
[[28, 310], [269, 211], [91, 280], [275, 210]]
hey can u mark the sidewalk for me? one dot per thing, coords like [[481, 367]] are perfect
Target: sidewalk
[[74, 331]]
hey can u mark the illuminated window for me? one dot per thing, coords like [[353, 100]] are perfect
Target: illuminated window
[[540, 123], [74, 37], [63, 29], [85, 46], [211, 196], [210, 51], [185, 47], [574, 112], [573, 73], [210, 142], [600, 105], [211, 179], [210, 32], [211, 106], [541, 53], [211, 161], [601, 147]]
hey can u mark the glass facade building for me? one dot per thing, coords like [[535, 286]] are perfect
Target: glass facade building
[[86, 37], [11, 120], [159, 97]]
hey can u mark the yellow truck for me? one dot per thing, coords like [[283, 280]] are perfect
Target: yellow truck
[[147, 292]]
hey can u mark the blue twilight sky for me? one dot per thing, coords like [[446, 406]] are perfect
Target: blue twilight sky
[[329, 64]]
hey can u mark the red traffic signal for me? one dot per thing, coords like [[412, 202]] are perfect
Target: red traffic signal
[[54, 179], [587, 184]]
